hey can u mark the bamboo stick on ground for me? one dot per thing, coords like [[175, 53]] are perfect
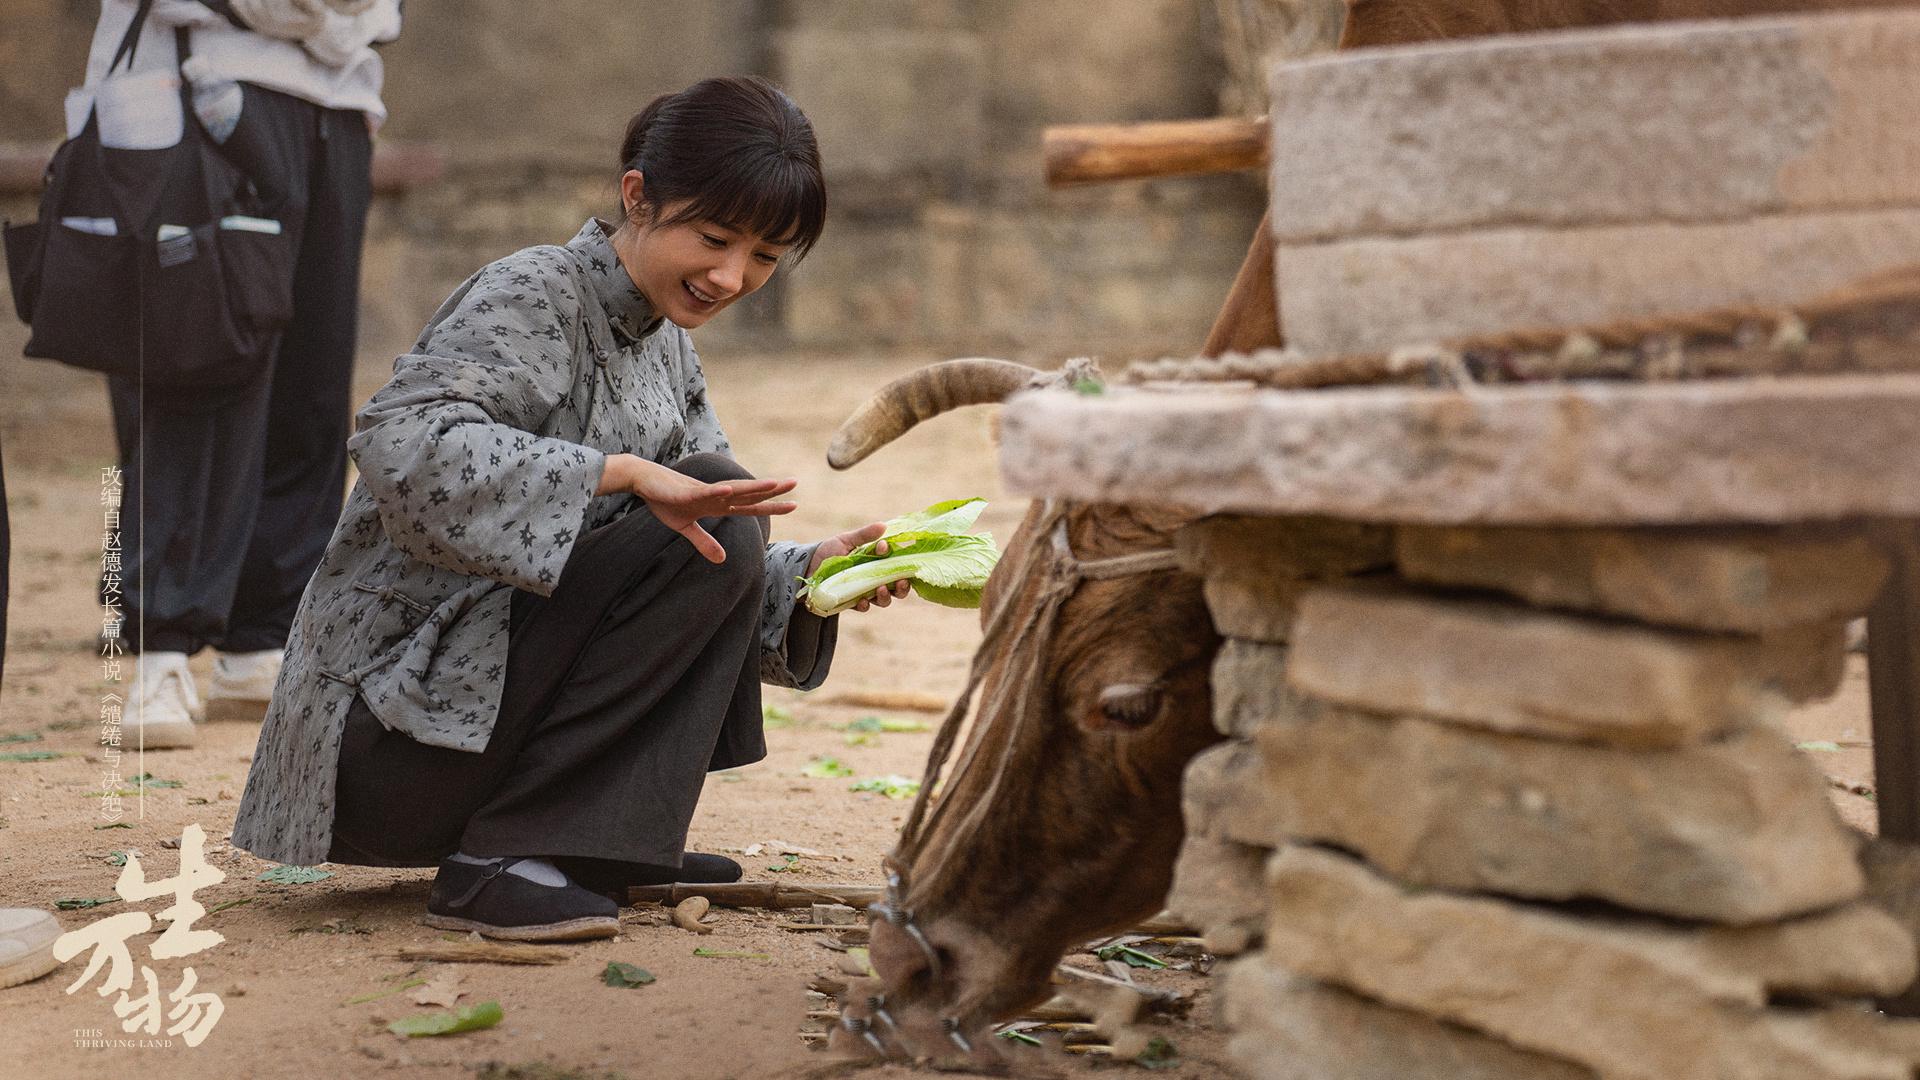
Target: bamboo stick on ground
[[482, 952], [908, 700], [760, 894]]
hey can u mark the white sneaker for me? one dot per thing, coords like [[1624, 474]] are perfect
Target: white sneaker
[[26, 945], [159, 711], [243, 684]]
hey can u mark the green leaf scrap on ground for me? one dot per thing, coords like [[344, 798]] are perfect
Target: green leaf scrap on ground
[[114, 825], [729, 954], [148, 780], [790, 862], [116, 857], [82, 903], [893, 786], [21, 736], [1818, 744], [624, 975], [471, 1018], [225, 904], [32, 755], [1089, 387], [1020, 1037], [825, 768], [362, 999], [774, 717], [294, 875], [861, 732], [861, 958], [1159, 1054], [1130, 956]]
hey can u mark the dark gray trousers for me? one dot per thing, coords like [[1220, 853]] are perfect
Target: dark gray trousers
[[623, 688], [230, 500]]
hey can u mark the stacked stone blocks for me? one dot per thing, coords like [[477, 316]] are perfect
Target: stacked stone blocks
[[1506, 802]]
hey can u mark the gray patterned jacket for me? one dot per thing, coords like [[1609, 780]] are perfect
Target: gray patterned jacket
[[478, 462]]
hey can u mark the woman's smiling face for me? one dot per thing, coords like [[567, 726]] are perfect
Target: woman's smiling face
[[692, 270]]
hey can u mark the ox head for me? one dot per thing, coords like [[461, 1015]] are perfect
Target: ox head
[[1060, 816]]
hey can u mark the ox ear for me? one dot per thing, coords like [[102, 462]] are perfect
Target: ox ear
[[1126, 707]]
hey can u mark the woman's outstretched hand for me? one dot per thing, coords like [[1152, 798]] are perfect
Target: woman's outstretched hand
[[679, 501], [835, 546]]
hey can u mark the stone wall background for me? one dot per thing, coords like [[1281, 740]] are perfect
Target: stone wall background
[[929, 113]]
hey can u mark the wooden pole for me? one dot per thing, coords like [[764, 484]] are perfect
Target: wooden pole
[[1893, 681], [1096, 153]]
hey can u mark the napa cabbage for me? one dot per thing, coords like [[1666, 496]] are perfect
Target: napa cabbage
[[931, 548]]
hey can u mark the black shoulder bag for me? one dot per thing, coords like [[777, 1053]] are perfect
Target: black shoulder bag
[[192, 285]]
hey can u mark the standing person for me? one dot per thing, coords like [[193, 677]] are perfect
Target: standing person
[[230, 498], [550, 600]]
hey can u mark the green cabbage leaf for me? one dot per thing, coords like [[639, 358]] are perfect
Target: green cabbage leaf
[[932, 549]]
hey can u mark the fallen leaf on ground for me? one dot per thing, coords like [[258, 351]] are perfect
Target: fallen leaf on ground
[[472, 1018], [224, 905], [341, 925], [32, 755], [82, 903], [387, 993], [779, 847], [892, 786], [117, 825], [792, 861], [825, 768], [294, 875], [21, 736], [443, 988], [728, 954], [625, 975]]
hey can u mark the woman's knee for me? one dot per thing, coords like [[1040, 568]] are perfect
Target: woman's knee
[[711, 468], [744, 540]]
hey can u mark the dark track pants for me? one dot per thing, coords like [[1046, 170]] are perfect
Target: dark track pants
[[637, 676], [229, 503]]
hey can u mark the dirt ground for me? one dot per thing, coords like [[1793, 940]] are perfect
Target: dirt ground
[[294, 955]]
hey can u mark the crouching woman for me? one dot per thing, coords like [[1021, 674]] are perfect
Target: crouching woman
[[549, 602]]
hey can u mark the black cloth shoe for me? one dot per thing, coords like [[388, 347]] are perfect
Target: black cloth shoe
[[510, 907], [612, 879]]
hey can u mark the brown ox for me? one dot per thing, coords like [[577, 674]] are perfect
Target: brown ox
[[1066, 824]]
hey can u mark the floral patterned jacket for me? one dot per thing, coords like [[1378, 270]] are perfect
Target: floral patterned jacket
[[478, 462]]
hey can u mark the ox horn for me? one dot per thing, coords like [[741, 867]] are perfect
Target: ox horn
[[922, 395]]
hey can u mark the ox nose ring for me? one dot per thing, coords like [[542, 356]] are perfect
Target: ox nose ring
[[952, 1026], [859, 1026]]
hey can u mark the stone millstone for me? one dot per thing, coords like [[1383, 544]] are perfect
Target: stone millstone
[[1779, 450], [1288, 1028], [1220, 888], [1250, 690], [1738, 830], [1511, 668], [1746, 580], [1704, 121], [1374, 295], [1632, 999]]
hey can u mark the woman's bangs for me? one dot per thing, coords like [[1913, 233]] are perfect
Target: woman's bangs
[[775, 200]]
